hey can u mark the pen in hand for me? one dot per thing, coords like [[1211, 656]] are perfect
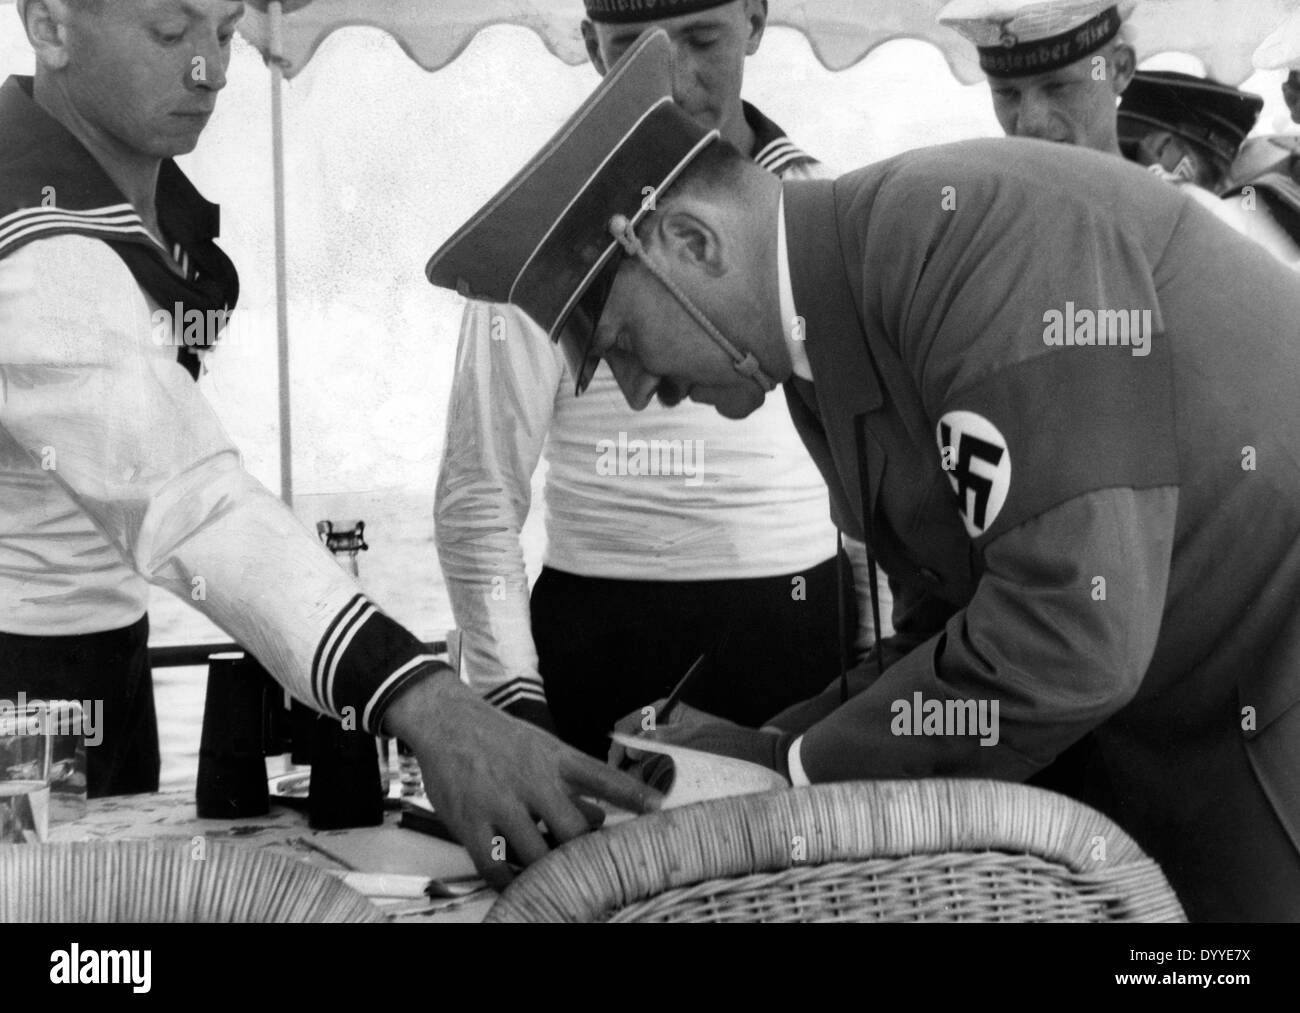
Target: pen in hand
[[674, 698], [683, 684]]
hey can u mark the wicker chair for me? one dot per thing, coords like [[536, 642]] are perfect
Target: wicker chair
[[915, 851]]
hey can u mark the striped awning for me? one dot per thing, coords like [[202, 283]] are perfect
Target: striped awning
[[1222, 34]]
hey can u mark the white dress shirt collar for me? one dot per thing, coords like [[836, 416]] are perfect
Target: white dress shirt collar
[[791, 325]]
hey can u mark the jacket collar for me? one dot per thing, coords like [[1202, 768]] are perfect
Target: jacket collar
[[843, 372]]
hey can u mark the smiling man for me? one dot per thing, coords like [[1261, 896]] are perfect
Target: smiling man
[[115, 473], [1055, 67], [1049, 504]]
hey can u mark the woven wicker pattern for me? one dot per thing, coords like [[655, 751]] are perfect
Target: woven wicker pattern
[[167, 881], [914, 850]]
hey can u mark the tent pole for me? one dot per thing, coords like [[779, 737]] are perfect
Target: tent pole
[[276, 10]]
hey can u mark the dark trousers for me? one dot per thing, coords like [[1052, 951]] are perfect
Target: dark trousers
[[113, 667], [608, 647]]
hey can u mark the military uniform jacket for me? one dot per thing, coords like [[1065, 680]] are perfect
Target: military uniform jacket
[[1090, 535]]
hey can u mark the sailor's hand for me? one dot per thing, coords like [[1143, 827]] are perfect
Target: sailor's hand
[[491, 777], [534, 712]]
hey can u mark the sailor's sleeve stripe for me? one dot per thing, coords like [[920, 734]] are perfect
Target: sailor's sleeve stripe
[[514, 691], [328, 648], [363, 661], [344, 634], [372, 716]]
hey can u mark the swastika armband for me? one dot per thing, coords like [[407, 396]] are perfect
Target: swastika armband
[[1048, 429], [979, 467]]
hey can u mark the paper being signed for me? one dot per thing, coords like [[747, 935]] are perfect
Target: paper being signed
[[698, 775]]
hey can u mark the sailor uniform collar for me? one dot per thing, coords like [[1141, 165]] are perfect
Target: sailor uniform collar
[[773, 150], [50, 185]]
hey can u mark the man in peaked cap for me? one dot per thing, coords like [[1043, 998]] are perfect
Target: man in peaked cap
[[115, 474], [686, 528], [1051, 392], [1188, 130], [1192, 127]]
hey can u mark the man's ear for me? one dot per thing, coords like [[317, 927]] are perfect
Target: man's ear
[[593, 48], [46, 24], [756, 18], [1123, 62], [691, 240]]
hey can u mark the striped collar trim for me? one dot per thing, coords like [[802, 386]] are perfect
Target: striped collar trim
[[773, 150], [27, 224], [781, 155]]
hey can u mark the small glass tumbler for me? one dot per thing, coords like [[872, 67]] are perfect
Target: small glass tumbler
[[25, 746]]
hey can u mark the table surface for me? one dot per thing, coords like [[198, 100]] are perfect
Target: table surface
[[387, 849]]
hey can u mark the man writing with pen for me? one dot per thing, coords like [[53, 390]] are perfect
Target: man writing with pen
[[1050, 507]]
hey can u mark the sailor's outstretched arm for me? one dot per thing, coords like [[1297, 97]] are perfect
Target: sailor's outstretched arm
[[119, 424]]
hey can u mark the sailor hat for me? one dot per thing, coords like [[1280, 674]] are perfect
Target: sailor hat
[[1281, 50], [622, 12], [1019, 38]]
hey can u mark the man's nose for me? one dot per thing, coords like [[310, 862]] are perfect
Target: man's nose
[[1034, 118], [637, 385], [208, 65], [685, 78]]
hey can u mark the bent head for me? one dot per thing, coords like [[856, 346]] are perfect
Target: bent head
[[713, 235], [1072, 105], [140, 74], [709, 50], [1182, 158]]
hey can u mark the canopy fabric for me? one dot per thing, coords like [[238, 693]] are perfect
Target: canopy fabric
[[1222, 34]]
